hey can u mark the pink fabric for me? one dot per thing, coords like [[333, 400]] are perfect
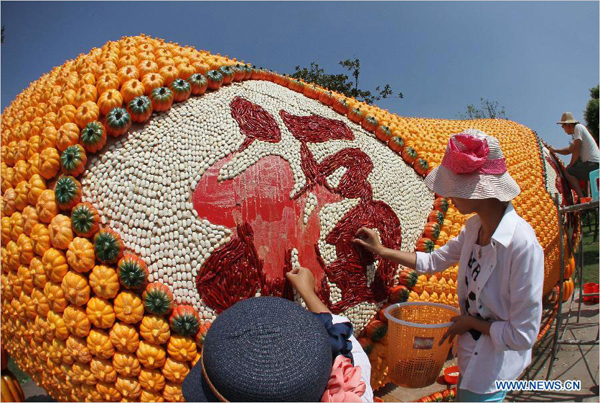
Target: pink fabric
[[345, 384], [472, 158]]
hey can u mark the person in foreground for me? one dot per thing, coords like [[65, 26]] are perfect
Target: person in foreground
[[585, 155], [501, 266], [271, 349]]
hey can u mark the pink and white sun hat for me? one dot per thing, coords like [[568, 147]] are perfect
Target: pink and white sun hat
[[473, 168]]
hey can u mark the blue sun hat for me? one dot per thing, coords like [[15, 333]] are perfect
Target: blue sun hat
[[262, 349]]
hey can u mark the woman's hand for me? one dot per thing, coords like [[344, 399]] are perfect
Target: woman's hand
[[302, 280], [460, 325], [369, 240]]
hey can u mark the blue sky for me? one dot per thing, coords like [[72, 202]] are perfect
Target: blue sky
[[537, 59]]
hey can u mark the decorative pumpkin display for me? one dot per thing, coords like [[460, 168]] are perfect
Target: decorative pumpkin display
[[158, 299], [175, 371], [60, 231], [124, 337], [140, 109], [118, 122], [80, 255], [100, 313], [93, 137], [99, 344], [73, 160], [85, 220], [129, 307], [104, 281], [67, 192], [184, 320], [108, 246], [181, 348], [198, 84], [155, 329], [68, 135], [103, 370], [55, 264], [150, 355], [126, 364], [181, 89], [77, 348], [109, 99], [49, 163], [36, 186], [151, 380], [177, 187], [76, 288], [132, 272], [162, 99], [201, 335], [76, 321]]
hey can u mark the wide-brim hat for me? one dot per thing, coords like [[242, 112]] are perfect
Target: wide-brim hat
[[567, 117], [262, 349], [473, 168]]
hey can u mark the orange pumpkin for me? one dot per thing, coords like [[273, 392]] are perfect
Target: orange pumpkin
[[55, 265], [182, 348], [48, 138], [16, 225], [169, 73], [35, 164], [86, 92], [86, 113], [100, 312], [40, 236], [128, 72], [76, 320], [61, 233], [39, 272], [108, 392], [150, 396], [34, 145], [30, 220], [13, 260], [103, 370], [124, 337], [175, 371], [56, 325], [155, 329], [104, 281], [21, 194], [55, 296], [128, 387], [99, 344], [6, 230], [129, 307], [126, 364], [147, 67], [107, 82], [25, 245], [46, 207], [150, 355], [68, 135], [151, 379], [80, 255], [151, 81], [110, 99], [172, 392], [76, 288], [66, 113], [131, 89], [37, 186], [49, 163]]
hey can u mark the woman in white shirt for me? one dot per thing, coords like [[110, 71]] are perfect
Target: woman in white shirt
[[501, 266]]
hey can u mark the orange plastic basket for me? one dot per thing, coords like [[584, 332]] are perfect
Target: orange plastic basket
[[415, 329]]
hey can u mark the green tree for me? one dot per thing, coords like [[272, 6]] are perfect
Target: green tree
[[342, 83], [591, 113], [488, 110]]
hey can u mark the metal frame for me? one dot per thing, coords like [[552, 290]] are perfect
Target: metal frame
[[559, 327]]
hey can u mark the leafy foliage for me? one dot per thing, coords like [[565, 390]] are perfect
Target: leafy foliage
[[591, 113], [342, 83], [489, 110]]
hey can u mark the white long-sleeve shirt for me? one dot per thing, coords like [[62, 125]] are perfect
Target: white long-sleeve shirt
[[509, 291]]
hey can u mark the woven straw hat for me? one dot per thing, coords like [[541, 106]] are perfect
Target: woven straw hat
[[473, 168], [262, 349], [567, 117]]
